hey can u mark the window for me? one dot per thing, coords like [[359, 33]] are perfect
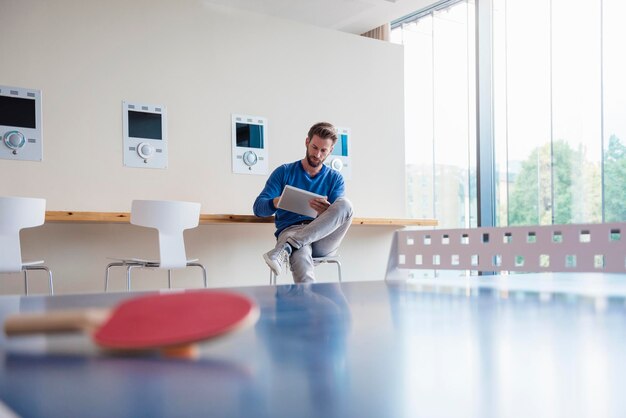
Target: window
[[440, 113], [547, 72], [559, 100], [614, 109]]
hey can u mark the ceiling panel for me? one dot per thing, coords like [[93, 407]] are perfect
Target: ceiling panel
[[353, 16]]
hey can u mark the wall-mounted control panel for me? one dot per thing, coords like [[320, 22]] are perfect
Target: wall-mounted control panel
[[145, 135], [249, 144], [20, 124], [339, 159]]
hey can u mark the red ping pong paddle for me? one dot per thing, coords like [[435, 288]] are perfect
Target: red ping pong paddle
[[163, 321]]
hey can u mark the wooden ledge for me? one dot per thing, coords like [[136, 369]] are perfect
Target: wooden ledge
[[206, 219], [394, 222]]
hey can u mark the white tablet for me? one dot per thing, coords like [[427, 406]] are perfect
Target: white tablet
[[297, 200]]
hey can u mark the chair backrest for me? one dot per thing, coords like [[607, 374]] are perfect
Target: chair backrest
[[170, 218], [551, 248], [17, 213]]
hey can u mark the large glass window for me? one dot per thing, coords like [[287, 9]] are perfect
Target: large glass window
[[522, 125], [614, 109], [559, 106], [440, 114], [547, 75]]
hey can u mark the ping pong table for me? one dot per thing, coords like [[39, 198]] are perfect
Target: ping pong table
[[535, 345]]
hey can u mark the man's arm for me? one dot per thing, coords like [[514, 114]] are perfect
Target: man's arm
[[265, 203], [337, 190]]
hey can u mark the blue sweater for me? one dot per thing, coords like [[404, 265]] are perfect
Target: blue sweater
[[327, 182]]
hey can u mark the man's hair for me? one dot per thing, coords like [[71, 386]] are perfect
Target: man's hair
[[324, 130]]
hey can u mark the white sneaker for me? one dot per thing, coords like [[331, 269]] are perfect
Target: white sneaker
[[277, 259]]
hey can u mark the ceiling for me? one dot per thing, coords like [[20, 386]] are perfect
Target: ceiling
[[352, 16]]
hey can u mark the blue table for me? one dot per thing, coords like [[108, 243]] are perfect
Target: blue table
[[532, 346]]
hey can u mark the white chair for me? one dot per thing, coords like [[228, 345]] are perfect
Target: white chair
[[17, 213], [170, 218], [316, 262]]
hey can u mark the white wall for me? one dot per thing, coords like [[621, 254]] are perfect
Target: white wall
[[203, 62], [232, 254]]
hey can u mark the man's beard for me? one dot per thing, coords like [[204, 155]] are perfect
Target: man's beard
[[312, 162]]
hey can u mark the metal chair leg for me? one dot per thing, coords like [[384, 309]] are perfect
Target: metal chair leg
[[131, 265], [203, 271], [44, 268], [273, 277], [338, 267], [128, 269], [25, 282], [108, 269], [332, 261], [50, 280]]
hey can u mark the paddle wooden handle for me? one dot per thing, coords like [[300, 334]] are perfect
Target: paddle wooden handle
[[55, 321]]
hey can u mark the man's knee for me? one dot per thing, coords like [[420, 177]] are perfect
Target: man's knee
[[344, 205]]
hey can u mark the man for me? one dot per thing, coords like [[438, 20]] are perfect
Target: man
[[300, 238]]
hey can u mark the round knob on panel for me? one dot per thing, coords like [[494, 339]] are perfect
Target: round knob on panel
[[145, 150], [14, 139], [337, 164], [250, 158]]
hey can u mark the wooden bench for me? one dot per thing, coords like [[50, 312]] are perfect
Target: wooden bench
[[207, 219]]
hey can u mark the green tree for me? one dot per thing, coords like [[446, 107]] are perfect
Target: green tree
[[524, 192], [531, 198], [615, 181]]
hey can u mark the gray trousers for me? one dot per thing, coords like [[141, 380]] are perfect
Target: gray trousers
[[320, 238]]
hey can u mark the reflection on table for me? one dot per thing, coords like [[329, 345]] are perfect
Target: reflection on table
[[538, 345]]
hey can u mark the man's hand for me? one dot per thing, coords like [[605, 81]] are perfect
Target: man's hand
[[320, 204]]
